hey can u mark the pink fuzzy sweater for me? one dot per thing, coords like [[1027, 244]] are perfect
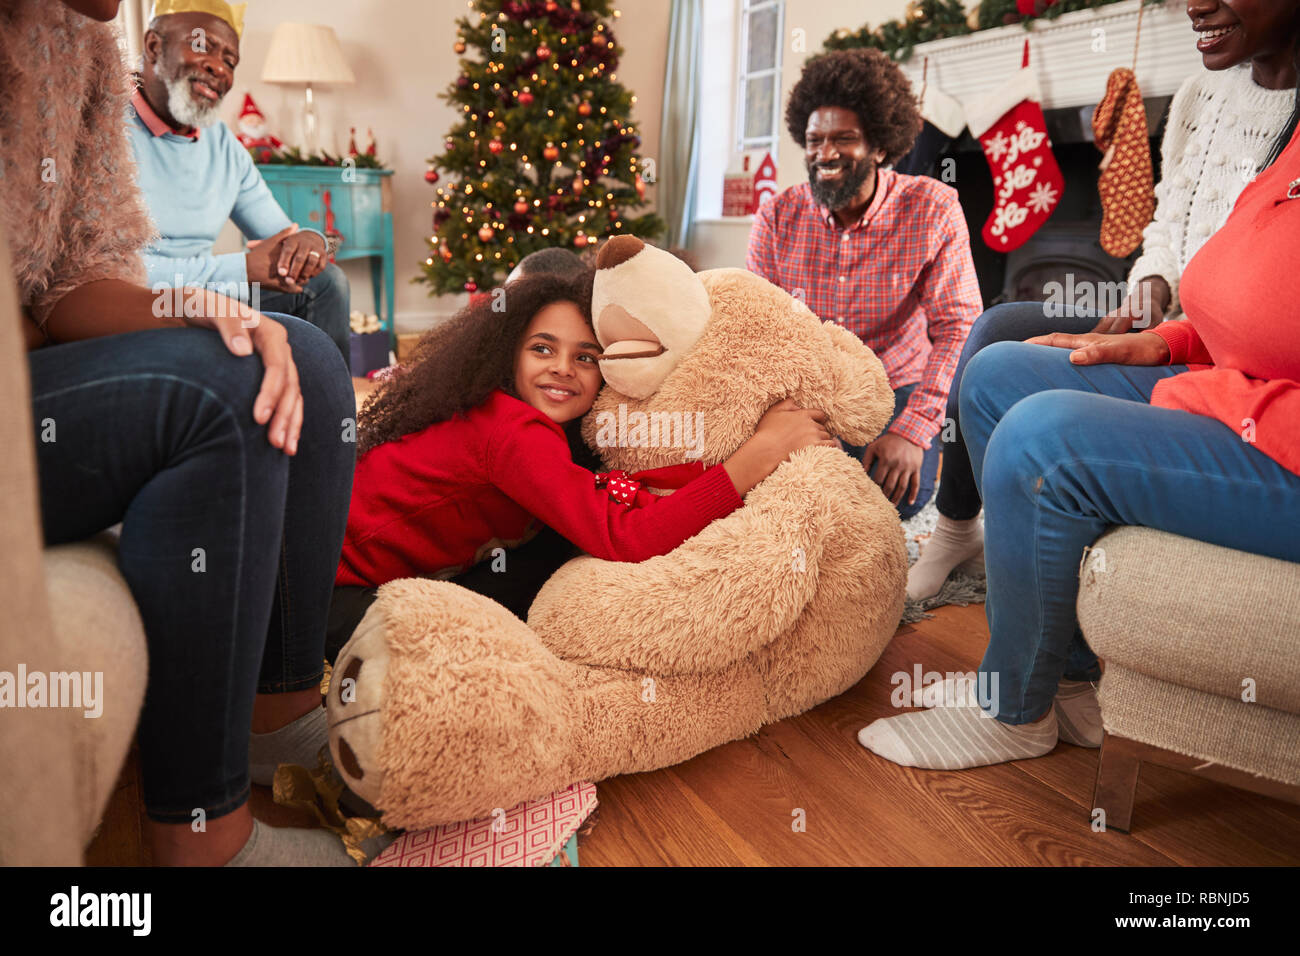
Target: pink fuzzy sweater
[[68, 193]]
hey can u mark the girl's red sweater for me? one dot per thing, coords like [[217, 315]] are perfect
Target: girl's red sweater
[[433, 503], [1241, 293]]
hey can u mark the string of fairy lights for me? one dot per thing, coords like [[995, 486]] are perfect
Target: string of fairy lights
[[540, 195]]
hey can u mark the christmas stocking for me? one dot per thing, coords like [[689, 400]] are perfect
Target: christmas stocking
[[943, 119], [1128, 200], [1027, 181]]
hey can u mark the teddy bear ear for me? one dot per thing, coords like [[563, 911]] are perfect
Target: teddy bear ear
[[863, 400]]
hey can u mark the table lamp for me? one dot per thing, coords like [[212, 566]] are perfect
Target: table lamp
[[306, 53]]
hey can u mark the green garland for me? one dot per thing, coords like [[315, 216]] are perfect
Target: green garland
[[293, 156], [927, 20]]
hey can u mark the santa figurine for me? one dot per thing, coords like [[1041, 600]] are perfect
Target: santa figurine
[[252, 128], [352, 141], [370, 142]]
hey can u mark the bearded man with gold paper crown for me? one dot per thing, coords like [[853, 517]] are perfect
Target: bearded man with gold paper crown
[[195, 175]]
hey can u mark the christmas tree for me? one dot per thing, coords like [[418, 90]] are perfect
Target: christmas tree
[[545, 151]]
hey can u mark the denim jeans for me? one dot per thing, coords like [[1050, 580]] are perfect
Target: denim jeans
[[1063, 452], [228, 545], [325, 302], [958, 497], [929, 463]]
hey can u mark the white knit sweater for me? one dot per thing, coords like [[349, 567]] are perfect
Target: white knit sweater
[[1221, 126]]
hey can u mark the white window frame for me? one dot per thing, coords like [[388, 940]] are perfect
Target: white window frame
[[770, 142]]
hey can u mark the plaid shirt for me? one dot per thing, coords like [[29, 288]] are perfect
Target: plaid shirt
[[901, 279]]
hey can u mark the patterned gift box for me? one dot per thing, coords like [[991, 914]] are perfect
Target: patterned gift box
[[531, 834]]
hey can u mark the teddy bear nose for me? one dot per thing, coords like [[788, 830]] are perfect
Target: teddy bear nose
[[618, 250]]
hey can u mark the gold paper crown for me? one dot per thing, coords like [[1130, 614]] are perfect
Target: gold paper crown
[[232, 13]]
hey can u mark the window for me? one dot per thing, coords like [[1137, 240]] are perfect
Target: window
[[758, 106]]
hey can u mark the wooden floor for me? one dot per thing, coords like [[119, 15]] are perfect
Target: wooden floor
[[736, 804]]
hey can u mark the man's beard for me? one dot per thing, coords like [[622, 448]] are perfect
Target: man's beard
[[185, 109], [837, 195]]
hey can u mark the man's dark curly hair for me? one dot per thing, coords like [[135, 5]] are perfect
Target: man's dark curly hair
[[870, 84], [457, 365]]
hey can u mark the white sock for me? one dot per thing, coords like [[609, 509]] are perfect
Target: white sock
[[952, 543], [1078, 713], [956, 738], [291, 846], [295, 743]]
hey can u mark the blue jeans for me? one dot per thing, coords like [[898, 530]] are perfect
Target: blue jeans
[[325, 302], [958, 497], [929, 463], [228, 545], [1061, 453]]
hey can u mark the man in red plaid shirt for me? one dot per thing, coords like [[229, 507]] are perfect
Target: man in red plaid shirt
[[885, 255]]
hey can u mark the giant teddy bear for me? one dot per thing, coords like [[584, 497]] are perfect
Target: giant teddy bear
[[445, 706]]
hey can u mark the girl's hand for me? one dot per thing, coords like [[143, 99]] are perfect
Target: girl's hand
[[1096, 348], [1145, 308], [783, 429], [279, 401]]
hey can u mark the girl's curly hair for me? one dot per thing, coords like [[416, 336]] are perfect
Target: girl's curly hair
[[870, 84], [457, 365]]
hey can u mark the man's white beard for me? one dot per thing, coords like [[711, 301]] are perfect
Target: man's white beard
[[185, 109]]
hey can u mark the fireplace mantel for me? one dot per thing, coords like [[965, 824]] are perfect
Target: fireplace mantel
[[1070, 73]]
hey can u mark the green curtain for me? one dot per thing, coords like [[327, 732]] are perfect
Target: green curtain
[[679, 144]]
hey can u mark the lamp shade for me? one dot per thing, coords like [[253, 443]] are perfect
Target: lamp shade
[[305, 53]]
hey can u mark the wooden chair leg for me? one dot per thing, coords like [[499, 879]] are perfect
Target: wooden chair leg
[[1117, 775]]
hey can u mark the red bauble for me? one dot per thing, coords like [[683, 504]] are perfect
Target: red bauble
[[543, 52], [471, 286], [521, 206], [551, 6], [448, 145], [551, 153], [485, 233], [459, 46], [431, 176], [525, 98], [496, 146], [580, 240], [462, 81], [584, 108]]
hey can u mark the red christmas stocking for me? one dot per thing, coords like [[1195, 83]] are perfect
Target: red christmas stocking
[[1027, 181]]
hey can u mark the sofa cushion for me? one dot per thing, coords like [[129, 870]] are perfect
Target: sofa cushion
[[99, 628], [1194, 614]]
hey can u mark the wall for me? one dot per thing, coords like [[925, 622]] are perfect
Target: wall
[[400, 52]]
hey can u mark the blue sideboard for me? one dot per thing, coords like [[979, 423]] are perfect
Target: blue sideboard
[[362, 207]]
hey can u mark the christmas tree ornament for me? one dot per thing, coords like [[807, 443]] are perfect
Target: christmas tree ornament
[[459, 46], [543, 52], [525, 97], [1028, 184], [577, 185], [486, 233], [640, 187], [496, 146], [580, 240], [550, 153], [551, 6], [521, 206], [444, 250], [462, 81], [471, 286], [448, 145], [584, 108], [431, 175]]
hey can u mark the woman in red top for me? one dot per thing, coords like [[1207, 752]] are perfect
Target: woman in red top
[[1192, 428], [466, 454]]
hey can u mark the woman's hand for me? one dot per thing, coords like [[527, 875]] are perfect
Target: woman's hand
[[1096, 348], [1145, 308], [783, 429], [244, 331]]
